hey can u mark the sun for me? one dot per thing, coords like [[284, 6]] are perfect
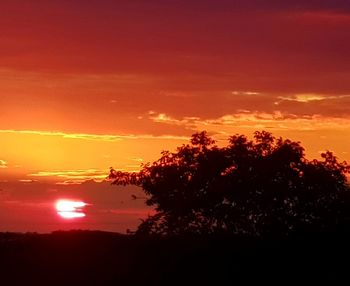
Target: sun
[[69, 209]]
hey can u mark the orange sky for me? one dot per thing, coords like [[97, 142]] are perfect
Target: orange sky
[[86, 85]]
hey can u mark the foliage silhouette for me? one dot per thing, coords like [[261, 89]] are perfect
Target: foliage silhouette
[[258, 187]]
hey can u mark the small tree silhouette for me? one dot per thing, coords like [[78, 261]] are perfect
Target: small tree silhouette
[[258, 187]]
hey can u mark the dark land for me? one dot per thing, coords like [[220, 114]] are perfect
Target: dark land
[[254, 212], [101, 258]]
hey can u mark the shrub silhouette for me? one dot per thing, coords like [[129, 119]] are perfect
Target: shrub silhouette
[[259, 187]]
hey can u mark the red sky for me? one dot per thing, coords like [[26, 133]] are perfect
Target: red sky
[[86, 85]]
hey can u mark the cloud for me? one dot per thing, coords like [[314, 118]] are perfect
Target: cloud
[[309, 97], [245, 92], [74, 176], [93, 137], [71, 177], [245, 41], [188, 122], [3, 164], [81, 136], [140, 160], [278, 120], [254, 120], [29, 181]]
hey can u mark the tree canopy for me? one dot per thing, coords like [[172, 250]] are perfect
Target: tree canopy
[[257, 187]]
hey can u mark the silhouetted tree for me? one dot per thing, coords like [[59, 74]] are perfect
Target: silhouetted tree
[[258, 187]]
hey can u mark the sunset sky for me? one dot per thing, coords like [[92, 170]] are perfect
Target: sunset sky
[[87, 85]]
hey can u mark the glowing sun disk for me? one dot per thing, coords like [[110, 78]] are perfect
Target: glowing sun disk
[[70, 209], [71, 214]]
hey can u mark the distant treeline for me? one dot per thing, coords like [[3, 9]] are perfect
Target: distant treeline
[[98, 258]]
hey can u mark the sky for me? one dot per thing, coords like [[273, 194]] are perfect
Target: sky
[[89, 85]]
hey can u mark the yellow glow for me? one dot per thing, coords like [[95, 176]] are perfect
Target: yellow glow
[[51, 155]]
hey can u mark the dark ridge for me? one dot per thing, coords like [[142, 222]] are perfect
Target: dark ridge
[[101, 258]]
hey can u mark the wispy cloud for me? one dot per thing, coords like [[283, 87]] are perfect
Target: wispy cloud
[[189, 122], [81, 136], [276, 120], [236, 92], [3, 164], [140, 160], [94, 137], [27, 181], [74, 176], [309, 97]]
